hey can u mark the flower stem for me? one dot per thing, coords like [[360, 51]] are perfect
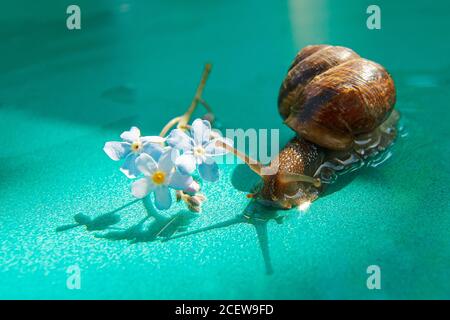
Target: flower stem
[[184, 119], [169, 125]]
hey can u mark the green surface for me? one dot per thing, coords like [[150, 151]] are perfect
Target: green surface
[[64, 93]]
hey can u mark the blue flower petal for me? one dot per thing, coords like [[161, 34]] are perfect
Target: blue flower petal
[[193, 188], [129, 167], [201, 131], [154, 150], [146, 164], [132, 135], [180, 181], [117, 150], [163, 199], [186, 164], [141, 188], [180, 140], [209, 171], [153, 139], [212, 149], [167, 160]]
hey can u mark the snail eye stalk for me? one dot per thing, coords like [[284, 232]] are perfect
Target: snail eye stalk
[[255, 165], [296, 177]]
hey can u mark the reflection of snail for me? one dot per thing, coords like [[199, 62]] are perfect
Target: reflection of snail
[[340, 105]]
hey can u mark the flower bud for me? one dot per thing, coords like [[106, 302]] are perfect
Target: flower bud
[[209, 117], [194, 209], [195, 201], [193, 188]]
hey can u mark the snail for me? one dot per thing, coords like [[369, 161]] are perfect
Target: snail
[[341, 107]]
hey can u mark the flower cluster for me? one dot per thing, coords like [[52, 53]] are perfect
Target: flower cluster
[[161, 164]]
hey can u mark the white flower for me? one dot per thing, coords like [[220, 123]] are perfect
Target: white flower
[[198, 149], [132, 146], [159, 177]]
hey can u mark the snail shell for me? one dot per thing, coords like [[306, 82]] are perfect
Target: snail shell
[[331, 95]]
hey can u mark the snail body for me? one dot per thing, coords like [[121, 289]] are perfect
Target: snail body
[[341, 107]]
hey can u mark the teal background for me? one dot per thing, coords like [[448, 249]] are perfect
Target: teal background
[[64, 93]]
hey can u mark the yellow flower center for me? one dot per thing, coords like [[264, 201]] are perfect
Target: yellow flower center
[[159, 177], [199, 151], [136, 146]]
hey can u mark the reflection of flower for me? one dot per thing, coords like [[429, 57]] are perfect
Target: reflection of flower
[[159, 177], [198, 150], [132, 146]]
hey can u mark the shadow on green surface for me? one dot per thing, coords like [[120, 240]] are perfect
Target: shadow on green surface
[[157, 227], [98, 223], [147, 231], [144, 231], [253, 214], [244, 179]]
